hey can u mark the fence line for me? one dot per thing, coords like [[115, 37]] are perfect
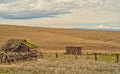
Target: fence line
[[95, 56], [88, 55]]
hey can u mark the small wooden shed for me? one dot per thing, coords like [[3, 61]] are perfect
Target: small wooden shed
[[17, 45], [73, 50]]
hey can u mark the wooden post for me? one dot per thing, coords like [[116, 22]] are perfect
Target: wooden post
[[105, 53], [95, 56], [80, 51], [87, 56], [7, 59], [71, 51], [1, 59], [41, 55], [56, 55], [5, 50], [117, 57], [75, 55]]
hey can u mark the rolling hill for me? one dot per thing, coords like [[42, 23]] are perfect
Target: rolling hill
[[54, 39]]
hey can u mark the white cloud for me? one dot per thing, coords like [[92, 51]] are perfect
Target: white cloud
[[27, 9]]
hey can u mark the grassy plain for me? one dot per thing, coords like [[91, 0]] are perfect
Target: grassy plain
[[51, 40], [65, 64]]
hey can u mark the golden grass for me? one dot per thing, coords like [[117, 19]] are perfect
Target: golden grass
[[54, 40], [65, 64]]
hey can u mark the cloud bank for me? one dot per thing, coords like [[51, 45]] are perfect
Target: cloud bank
[[28, 9]]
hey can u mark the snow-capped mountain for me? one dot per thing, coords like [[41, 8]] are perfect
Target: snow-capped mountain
[[101, 27]]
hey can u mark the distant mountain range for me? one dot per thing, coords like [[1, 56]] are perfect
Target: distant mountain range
[[104, 29]]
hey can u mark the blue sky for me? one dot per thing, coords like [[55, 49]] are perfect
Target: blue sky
[[61, 13]]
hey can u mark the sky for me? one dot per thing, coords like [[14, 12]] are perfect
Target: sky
[[61, 13]]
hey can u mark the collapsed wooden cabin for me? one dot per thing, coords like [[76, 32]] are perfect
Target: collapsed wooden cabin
[[4, 58], [18, 45], [73, 50]]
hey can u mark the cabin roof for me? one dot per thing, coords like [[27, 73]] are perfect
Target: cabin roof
[[15, 43], [73, 47]]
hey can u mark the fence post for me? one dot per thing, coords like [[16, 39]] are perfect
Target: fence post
[[71, 51], [41, 55], [87, 56], [95, 56], [117, 57], [56, 55], [75, 55]]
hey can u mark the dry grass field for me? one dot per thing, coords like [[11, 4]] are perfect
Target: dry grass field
[[53, 39], [65, 64]]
